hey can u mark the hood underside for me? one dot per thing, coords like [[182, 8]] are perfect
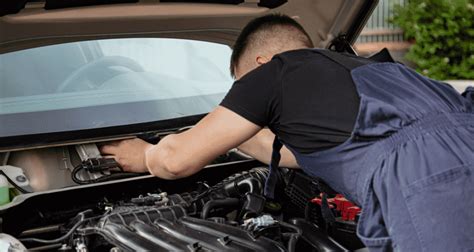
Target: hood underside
[[35, 25]]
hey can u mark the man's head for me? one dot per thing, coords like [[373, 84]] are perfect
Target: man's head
[[264, 37]]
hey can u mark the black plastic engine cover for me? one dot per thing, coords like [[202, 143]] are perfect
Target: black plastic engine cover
[[168, 229]]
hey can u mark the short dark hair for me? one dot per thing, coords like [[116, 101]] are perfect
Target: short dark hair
[[263, 23]]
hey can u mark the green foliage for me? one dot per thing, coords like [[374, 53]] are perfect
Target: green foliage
[[443, 35]]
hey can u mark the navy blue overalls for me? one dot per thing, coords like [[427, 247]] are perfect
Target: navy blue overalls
[[409, 162]]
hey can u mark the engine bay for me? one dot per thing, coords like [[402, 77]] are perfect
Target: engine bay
[[70, 198]]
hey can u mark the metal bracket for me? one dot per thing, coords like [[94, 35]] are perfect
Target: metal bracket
[[341, 44], [88, 151]]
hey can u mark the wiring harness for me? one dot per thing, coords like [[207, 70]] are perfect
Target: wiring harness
[[107, 168]]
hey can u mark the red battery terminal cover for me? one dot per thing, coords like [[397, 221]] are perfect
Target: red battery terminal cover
[[348, 210]]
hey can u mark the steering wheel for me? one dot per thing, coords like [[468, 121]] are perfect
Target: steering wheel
[[93, 66]]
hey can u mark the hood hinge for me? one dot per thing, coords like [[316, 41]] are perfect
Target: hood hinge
[[342, 44]]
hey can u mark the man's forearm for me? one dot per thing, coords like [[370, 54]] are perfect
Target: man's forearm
[[165, 161], [260, 148], [162, 160], [157, 163], [183, 154]]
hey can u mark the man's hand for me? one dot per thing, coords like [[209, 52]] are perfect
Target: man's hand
[[130, 154]]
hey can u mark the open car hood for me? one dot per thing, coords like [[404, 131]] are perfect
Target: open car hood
[[27, 24], [34, 23]]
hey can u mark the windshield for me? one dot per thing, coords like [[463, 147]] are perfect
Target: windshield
[[114, 82]]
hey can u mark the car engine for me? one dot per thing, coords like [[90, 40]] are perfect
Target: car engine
[[96, 207], [188, 221]]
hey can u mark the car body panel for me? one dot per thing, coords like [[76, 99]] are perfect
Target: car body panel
[[34, 26]]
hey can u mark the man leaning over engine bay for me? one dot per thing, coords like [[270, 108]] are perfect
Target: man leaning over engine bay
[[396, 143]]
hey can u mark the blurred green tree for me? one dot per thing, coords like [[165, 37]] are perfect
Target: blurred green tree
[[443, 36]]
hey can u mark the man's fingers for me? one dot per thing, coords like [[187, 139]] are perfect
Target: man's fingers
[[108, 149], [128, 153], [116, 160], [115, 142]]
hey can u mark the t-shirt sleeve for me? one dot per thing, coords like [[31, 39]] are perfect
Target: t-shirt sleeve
[[254, 95]]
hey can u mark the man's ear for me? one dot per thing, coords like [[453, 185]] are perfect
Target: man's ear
[[262, 60]]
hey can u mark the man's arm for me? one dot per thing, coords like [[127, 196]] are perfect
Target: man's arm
[[260, 148], [184, 154]]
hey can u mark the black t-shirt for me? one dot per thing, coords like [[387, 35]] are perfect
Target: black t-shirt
[[306, 98]]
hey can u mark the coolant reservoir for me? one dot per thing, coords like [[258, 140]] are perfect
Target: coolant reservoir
[[4, 190]]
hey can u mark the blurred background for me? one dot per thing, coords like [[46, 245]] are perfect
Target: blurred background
[[436, 37], [380, 33]]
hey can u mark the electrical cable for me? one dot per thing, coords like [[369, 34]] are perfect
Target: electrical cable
[[64, 237], [113, 176], [13, 183], [70, 232]]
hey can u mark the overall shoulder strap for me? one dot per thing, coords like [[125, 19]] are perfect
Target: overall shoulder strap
[[272, 178], [348, 61]]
